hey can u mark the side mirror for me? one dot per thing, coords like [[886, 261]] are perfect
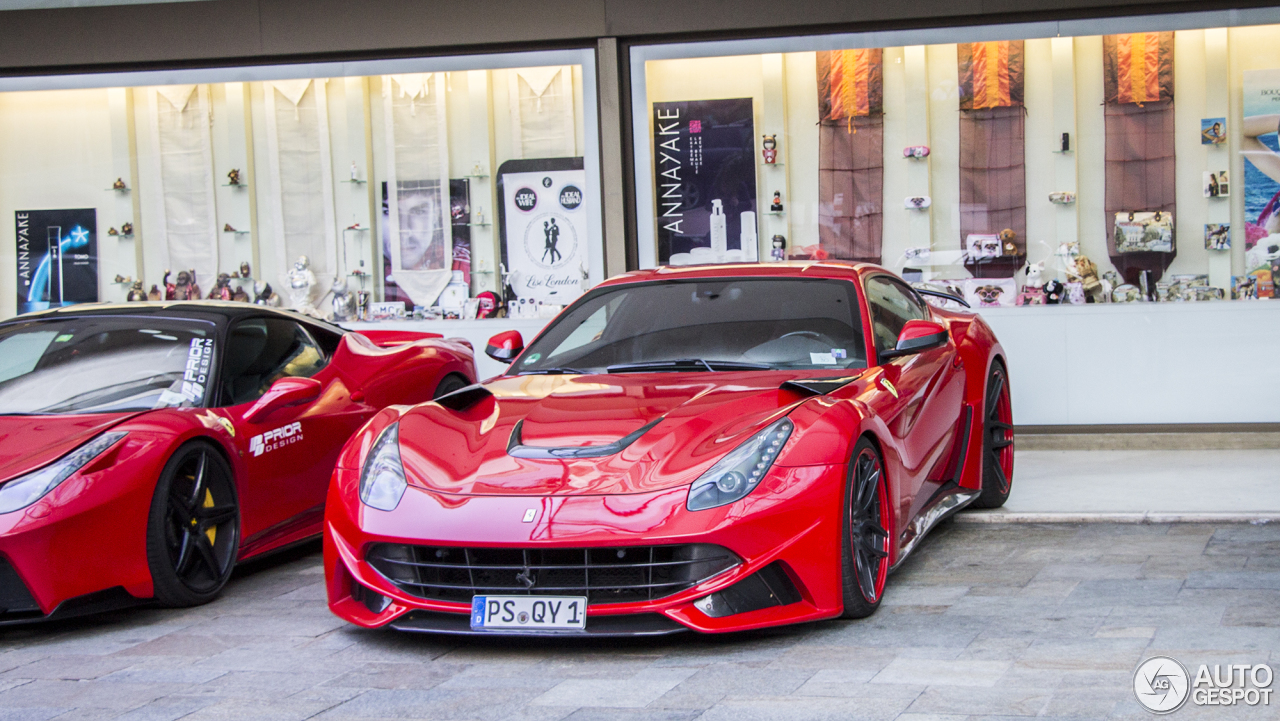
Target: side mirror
[[917, 336], [505, 346], [284, 393]]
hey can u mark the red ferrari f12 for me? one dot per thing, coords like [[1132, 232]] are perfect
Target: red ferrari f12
[[710, 448], [145, 447]]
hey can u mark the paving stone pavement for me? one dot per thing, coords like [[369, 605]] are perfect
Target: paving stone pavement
[[984, 622]]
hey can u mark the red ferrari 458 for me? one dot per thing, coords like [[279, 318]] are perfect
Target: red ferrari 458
[[144, 448], [710, 448]]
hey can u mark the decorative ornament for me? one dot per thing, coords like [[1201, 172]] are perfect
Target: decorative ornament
[[119, 185], [126, 229], [917, 202], [779, 252], [244, 269], [1007, 236], [226, 228], [776, 206], [916, 151], [112, 231], [233, 177], [222, 288], [154, 293], [1062, 197], [770, 151], [136, 293]]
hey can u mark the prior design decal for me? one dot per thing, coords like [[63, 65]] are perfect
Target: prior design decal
[[196, 375], [275, 438]]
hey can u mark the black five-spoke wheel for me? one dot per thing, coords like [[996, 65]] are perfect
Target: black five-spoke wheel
[[193, 532], [866, 546]]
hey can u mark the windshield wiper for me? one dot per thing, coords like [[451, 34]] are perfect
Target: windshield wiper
[[685, 363], [561, 370]]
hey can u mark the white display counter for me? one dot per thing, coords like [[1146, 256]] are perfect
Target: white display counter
[[1133, 363], [1129, 363]]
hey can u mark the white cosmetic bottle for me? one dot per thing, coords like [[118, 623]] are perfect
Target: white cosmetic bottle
[[749, 242], [719, 231]]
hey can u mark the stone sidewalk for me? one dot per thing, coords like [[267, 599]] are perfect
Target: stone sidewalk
[[999, 622]]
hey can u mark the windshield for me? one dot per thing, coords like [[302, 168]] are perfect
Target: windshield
[[709, 325], [103, 364]]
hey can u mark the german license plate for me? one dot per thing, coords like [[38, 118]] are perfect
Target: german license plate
[[529, 613]]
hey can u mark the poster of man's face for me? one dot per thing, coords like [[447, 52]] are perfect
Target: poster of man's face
[[421, 235]]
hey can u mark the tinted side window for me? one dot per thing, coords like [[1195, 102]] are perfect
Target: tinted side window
[[260, 351], [891, 305]]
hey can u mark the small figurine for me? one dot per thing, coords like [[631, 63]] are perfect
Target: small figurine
[[1085, 272], [779, 252], [233, 178], [770, 151], [1062, 197], [301, 281], [226, 228], [1007, 236], [777, 202], [264, 295], [344, 301], [119, 185], [355, 172], [154, 293], [354, 226], [477, 171], [185, 289], [222, 288], [479, 218], [244, 269], [917, 152], [123, 280], [136, 293], [112, 231], [1053, 292], [238, 295], [126, 229]]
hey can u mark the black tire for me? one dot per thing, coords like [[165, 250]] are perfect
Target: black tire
[[864, 558], [193, 530], [449, 384], [997, 441]]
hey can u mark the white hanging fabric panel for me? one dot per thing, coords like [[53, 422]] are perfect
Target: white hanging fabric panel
[[300, 170], [182, 160], [417, 222], [542, 111]]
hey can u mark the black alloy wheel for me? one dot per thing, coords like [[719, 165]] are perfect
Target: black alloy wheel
[[865, 560], [448, 384], [193, 531], [997, 441]]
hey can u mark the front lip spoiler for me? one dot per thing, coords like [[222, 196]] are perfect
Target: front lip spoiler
[[517, 449], [612, 626]]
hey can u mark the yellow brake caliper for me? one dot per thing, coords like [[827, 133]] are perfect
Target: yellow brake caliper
[[212, 532]]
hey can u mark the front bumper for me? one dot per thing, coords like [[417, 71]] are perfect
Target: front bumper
[[790, 524]]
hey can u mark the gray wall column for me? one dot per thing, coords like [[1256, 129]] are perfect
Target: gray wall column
[[612, 193]]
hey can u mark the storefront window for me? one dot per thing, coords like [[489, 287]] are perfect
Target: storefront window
[[1017, 165], [411, 181]]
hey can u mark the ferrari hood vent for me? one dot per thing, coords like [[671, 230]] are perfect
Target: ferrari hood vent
[[818, 386], [464, 398], [517, 449]]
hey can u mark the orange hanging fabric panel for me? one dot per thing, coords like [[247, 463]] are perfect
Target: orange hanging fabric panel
[[850, 83], [1138, 67], [991, 74]]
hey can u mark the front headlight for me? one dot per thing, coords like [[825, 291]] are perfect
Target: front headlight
[[738, 473], [25, 490], [382, 481]]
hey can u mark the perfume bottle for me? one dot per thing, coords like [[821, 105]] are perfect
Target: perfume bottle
[[719, 231], [355, 173]]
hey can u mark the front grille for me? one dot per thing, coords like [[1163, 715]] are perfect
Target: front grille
[[604, 575]]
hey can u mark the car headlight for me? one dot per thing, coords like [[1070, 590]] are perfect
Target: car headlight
[[25, 490], [738, 473], [382, 481]]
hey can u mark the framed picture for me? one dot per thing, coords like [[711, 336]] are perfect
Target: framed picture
[[1216, 185], [1138, 232], [1217, 236], [1213, 131], [982, 246]]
